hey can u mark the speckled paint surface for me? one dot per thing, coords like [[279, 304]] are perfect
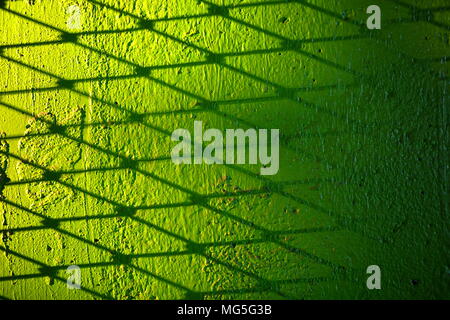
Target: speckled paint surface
[[88, 103]]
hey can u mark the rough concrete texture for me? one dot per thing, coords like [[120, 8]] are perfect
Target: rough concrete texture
[[90, 95]]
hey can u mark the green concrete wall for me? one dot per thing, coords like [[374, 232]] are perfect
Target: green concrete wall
[[87, 109]]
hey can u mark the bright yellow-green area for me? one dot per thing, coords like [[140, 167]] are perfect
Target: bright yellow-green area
[[87, 107]]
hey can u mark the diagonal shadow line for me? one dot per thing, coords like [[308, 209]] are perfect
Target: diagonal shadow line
[[280, 87], [348, 222], [196, 247], [79, 238], [33, 44], [329, 63], [172, 87], [37, 70], [322, 60], [439, 9], [160, 229], [240, 220], [87, 290], [55, 178], [177, 253], [256, 28], [21, 256], [197, 198], [189, 291], [272, 237], [114, 122], [50, 223], [54, 225], [286, 146], [207, 206], [329, 13], [61, 173], [226, 54], [151, 20], [87, 170], [194, 196], [61, 128], [207, 105], [357, 125], [169, 254], [62, 280], [335, 267], [132, 113], [272, 234], [43, 24], [274, 283], [175, 39], [18, 110], [205, 109], [440, 24], [160, 278], [142, 221], [91, 145], [414, 10], [45, 270], [297, 42], [17, 277], [27, 210], [415, 20], [188, 242], [48, 271], [20, 91], [275, 35], [90, 265], [257, 4], [264, 283]]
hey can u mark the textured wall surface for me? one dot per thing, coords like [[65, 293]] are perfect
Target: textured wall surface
[[91, 90]]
